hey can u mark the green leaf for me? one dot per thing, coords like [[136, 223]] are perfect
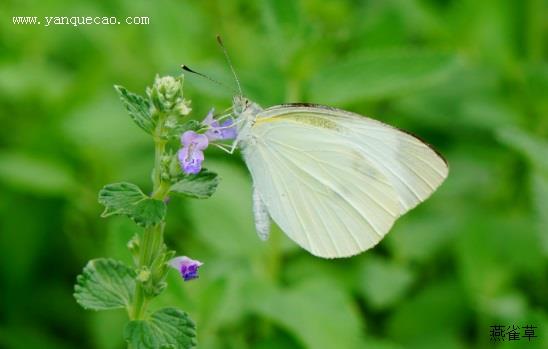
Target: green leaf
[[166, 328], [119, 198], [318, 313], [384, 283], [127, 199], [380, 74], [148, 212], [105, 284], [199, 186], [174, 128], [138, 108]]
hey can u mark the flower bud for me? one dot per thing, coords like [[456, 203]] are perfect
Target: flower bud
[[166, 92], [133, 246], [182, 107], [143, 275]]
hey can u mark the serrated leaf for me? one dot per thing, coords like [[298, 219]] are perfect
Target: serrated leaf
[[199, 186], [148, 212], [105, 284], [138, 108], [127, 199], [166, 328], [118, 198]]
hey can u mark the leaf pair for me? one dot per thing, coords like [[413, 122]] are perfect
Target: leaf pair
[[110, 284], [128, 199]]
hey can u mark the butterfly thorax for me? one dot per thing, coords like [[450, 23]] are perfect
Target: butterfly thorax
[[246, 113]]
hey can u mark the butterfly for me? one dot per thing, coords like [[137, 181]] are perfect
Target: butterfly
[[334, 181]]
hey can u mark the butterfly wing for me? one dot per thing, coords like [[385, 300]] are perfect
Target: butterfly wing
[[318, 186], [414, 169]]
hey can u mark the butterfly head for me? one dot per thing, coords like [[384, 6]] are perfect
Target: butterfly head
[[240, 104], [243, 106], [245, 112]]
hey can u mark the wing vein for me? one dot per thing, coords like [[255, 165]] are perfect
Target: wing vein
[[335, 245], [395, 150], [411, 189], [319, 161], [375, 229], [299, 219]]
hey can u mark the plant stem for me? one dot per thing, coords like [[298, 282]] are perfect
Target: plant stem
[[151, 247], [153, 237]]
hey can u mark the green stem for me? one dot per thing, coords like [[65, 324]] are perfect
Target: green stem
[[139, 303], [153, 237], [153, 240], [159, 149]]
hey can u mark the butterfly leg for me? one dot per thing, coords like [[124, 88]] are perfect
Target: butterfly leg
[[229, 150], [233, 147], [222, 147]]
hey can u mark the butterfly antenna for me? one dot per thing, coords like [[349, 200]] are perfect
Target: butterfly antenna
[[187, 68], [220, 41]]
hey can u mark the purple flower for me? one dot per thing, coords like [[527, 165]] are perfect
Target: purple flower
[[191, 155], [186, 266], [218, 131]]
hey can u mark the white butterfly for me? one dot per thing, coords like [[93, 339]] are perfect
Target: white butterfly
[[332, 180]]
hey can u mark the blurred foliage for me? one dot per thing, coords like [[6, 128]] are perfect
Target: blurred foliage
[[468, 76]]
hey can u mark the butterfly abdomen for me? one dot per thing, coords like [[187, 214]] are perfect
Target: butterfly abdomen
[[262, 219]]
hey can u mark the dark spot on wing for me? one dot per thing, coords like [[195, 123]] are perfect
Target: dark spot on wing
[[425, 143]]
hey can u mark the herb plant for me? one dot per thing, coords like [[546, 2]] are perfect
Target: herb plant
[[178, 147]]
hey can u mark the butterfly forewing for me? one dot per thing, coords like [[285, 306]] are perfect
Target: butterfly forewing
[[414, 168]]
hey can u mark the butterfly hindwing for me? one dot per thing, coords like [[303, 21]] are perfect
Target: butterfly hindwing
[[319, 187]]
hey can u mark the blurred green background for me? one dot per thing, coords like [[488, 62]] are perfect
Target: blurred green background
[[470, 77]]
